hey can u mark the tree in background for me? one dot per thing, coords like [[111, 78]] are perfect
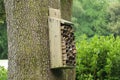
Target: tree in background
[[3, 32], [113, 17], [89, 17], [101, 17], [3, 41], [2, 12]]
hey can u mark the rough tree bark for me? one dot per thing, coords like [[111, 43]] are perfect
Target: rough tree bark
[[28, 40]]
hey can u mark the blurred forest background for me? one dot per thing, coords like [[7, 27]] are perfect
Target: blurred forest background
[[97, 31], [3, 32], [99, 17]]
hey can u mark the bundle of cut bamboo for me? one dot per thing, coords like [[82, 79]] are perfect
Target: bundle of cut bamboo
[[68, 45]]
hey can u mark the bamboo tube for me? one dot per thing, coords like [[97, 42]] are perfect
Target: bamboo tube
[[62, 27], [68, 45], [64, 51], [64, 62], [74, 63], [67, 62], [64, 56], [74, 51]]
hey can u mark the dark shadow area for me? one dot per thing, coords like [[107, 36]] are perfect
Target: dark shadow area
[[58, 71]]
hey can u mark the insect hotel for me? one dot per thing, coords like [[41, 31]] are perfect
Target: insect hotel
[[62, 41]]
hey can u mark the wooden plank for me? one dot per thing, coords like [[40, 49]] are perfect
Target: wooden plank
[[55, 43], [54, 13], [66, 22]]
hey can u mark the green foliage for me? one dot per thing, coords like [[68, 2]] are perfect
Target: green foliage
[[3, 32], [2, 11], [3, 73], [98, 58], [114, 17], [89, 17]]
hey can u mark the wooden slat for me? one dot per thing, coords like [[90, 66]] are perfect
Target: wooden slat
[[55, 43], [54, 13]]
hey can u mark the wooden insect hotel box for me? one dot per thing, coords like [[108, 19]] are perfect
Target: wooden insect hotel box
[[62, 41]]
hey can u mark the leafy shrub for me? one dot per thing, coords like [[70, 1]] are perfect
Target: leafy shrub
[[3, 73], [98, 58]]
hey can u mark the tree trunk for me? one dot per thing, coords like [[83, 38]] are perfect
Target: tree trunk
[[28, 40]]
